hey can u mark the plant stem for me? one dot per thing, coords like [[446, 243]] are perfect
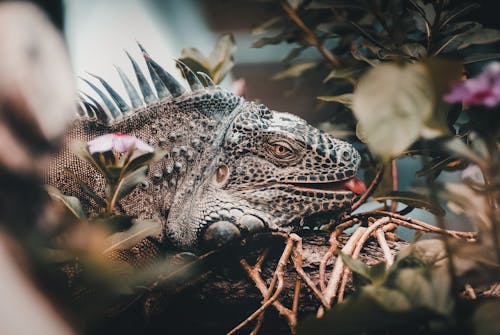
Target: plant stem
[[310, 36]]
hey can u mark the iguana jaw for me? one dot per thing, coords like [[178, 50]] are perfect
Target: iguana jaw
[[353, 184]]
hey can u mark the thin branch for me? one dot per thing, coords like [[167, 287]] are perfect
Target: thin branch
[[395, 184], [389, 258], [331, 288], [373, 185], [310, 36]]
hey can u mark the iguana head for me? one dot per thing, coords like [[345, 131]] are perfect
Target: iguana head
[[272, 171], [234, 167]]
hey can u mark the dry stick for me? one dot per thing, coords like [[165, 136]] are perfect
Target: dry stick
[[310, 36], [297, 262], [373, 185], [389, 258], [470, 291], [412, 223], [257, 268], [419, 225], [331, 288], [394, 173], [254, 274], [359, 245], [277, 278], [333, 246]]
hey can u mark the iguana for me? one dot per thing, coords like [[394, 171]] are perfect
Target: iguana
[[233, 167]]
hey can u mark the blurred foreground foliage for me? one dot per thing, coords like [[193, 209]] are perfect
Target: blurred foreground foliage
[[386, 65]]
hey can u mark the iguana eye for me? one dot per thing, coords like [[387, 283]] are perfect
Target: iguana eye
[[282, 150]]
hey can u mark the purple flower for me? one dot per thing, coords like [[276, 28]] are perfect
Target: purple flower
[[481, 90], [118, 142]]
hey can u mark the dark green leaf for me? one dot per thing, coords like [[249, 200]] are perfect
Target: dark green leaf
[[345, 99], [481, 36], [140, 159], [267, 25], [356, 265], [295, 70], [86, 188], [377, 273], [480, 58], [413, 200], [116, 223], [391, 103], [127, 239], [487, 318], [129, 182], [72, 203], [457, 11]]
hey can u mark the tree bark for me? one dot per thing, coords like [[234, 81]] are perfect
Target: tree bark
[[225, 295]]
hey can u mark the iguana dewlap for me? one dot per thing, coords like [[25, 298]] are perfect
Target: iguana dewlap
[[234, 167]]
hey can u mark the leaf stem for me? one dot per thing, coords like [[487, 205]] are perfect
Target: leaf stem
[[310, 36]]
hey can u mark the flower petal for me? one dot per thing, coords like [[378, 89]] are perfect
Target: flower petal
[[101, 143]]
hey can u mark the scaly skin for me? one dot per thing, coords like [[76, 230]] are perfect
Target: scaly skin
[[234, 167]]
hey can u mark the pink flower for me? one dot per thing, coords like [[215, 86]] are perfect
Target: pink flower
[[481, 90], [118, 142]]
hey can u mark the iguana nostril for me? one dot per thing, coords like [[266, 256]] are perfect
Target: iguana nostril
[[220, 233]]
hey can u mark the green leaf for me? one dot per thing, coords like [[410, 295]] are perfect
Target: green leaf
[[129, 182], [348, 73], [295, 70], [377, 273], [391, 104], [414, 50], [345, 99], [481, 36], [456, 12], [480, 58], [72, 203], [356, 265], [86, 188], [487, 318], [116, 223], [372, 309], [140, 159], [127, 239], [267, 25], [414, 200]]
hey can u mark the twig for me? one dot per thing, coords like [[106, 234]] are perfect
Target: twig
[[331, 288], [358, 246], [373, 185], [395, 184], [389, 259], [310, 36], [333, 246], [470, 292], [297, 262]]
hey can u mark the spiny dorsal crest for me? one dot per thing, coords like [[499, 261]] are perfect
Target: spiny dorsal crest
[[114, 109]]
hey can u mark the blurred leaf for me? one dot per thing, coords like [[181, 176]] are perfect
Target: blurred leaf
[[414, 50], [127, 239], [72, 203], [329, 4], [294, 53], [295, 70], [355, 265], [267, 25], [482, 36], [345, 99], [86, 188], [391, 103], [294, 3], [139, 159], [480, 58], [348, 73], [129, 182], [413, 200], [116, 223], [458, 11], [487, 318]]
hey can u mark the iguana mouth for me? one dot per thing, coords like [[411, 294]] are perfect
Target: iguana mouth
[[354, 185]]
